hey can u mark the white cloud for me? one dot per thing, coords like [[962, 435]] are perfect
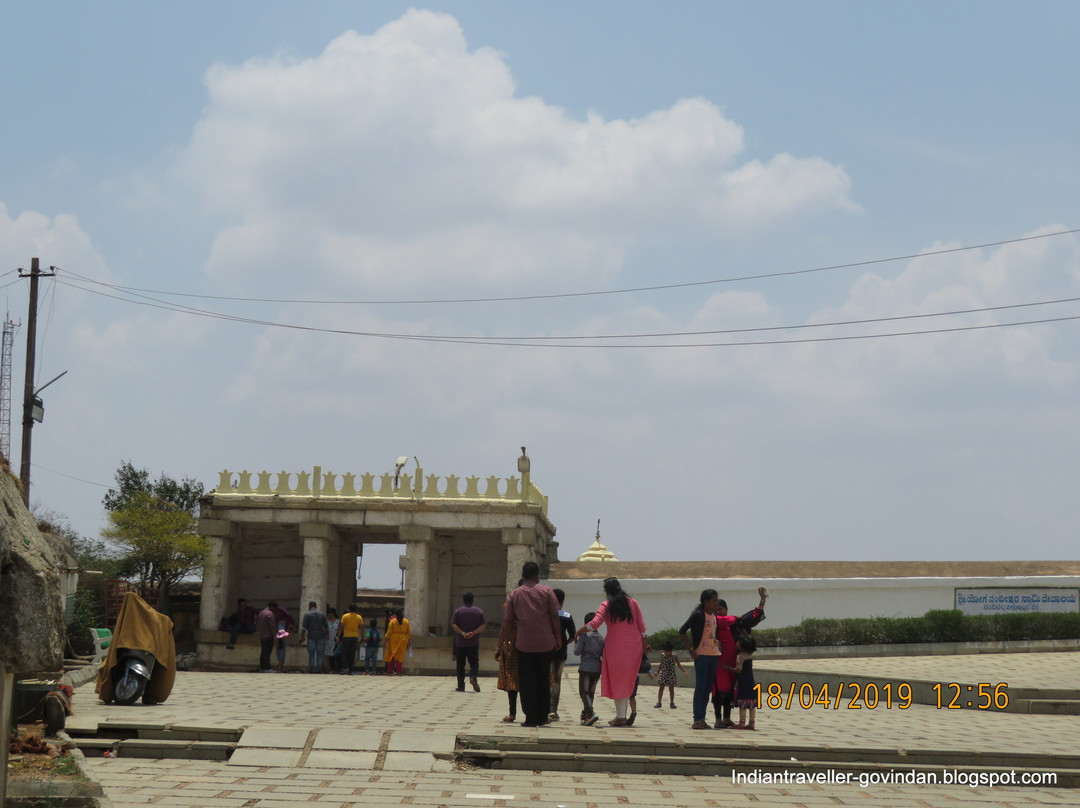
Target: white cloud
[[949, 373], [403, 164], [873, 376], [403, 156], [59, 241]]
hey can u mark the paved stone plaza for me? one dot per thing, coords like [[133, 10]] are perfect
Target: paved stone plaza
[[375, 741]]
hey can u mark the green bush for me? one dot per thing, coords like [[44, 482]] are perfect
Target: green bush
[[88, 602], [939, 625], [658, 638]]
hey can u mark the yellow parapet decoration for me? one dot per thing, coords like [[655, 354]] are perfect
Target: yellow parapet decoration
[[329, 484]]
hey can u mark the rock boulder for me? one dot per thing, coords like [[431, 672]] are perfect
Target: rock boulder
[[32, 627]]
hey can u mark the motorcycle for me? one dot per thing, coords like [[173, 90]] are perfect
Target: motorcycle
[[141, 663], [130, 674]]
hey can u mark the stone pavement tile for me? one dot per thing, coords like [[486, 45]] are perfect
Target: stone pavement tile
[[179, 800], [435, 742], [411, 705], [409, 761], [1058, 670], [160, 792], [301, 789], [362, 739], [288, 758], [520, 789], [265, 777], [274, 738], [316, 788], [80, 723], [338, 759]]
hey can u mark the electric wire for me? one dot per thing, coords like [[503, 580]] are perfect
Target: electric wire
[[954, 312], [140, 296], [60, 473], [600, 292], [48, 302], [575, 341]]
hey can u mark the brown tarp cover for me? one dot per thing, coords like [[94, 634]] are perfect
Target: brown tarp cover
[[144, 629]]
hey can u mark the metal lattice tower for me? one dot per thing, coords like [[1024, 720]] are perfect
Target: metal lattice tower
[[5, 388]]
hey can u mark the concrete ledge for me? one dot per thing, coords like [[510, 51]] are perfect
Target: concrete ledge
[[204, 734], [159, 749], [84, 793], [734, 746], [53, 793], [720, 764], [1053, 707], [917, 649], [1050, 701], [81, 674]]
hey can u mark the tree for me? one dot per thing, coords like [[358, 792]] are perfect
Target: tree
[[160, 542], [131, 481], [154, 524], [95, 561]]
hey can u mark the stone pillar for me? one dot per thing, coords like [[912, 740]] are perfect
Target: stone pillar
[[520, 547], [526, 478], [418, 539], [217, 571], [315, 573], [442, 605], [342, 573]]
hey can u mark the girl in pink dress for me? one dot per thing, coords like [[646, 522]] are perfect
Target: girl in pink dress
[[623, 648]]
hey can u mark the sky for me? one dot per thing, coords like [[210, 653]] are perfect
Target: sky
[[769, 281]]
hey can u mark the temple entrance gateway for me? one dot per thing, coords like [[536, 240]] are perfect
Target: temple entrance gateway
[[295, 538]]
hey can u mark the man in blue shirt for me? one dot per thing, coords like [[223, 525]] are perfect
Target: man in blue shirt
[[314, 628], [467, 623]]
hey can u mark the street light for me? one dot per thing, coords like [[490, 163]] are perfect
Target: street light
[[33, 410]]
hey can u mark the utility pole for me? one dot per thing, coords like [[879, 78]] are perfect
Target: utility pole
[[28, 388]]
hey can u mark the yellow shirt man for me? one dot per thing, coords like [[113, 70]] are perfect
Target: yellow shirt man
[[350, 624], [349, 634]]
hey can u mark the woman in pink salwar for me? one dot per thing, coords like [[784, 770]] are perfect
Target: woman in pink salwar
[[623, 648]]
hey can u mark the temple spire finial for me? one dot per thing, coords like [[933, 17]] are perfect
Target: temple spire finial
[[597, 551]]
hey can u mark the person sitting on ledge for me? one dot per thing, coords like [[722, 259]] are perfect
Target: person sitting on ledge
[[242, 621]]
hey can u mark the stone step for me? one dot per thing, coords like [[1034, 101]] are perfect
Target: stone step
[[1053, 706], [156, 748], [149, 740], [758, 750], [719, 757], [769, 770], [148, 730]]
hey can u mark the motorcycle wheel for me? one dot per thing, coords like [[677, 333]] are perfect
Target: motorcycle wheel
[[128, 688]]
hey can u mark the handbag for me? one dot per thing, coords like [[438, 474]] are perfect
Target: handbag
[[645, 665]]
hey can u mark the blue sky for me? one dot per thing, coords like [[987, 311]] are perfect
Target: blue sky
[[362, 152]]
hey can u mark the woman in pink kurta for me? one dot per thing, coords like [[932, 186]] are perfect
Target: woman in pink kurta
[[623, 648]]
